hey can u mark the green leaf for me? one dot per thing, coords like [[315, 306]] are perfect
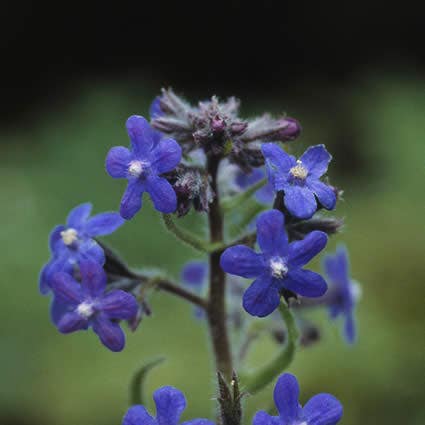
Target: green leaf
[[136, 385]]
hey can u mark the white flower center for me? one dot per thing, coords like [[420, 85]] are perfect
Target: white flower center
[[299, 171], [136, 168], [355, 290], [69, 236], [85, 310], [278, 267]]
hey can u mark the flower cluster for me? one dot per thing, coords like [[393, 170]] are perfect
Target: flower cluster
[[264, 211]]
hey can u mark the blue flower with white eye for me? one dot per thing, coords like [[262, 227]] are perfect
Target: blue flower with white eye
[[322, 409], [300, 179], [343, 291], [89, 305], [74, 241], [263, 195], [150, 156], [277, 267], [170, 404]]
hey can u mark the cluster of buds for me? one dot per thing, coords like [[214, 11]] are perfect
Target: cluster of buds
[[216, 127]]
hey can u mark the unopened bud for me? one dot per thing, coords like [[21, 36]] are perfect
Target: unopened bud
[[291, 131]]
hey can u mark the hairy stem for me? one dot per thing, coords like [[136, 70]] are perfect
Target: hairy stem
[[216, 303]]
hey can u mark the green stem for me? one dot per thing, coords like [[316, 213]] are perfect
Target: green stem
[[184, 235], [257, 380]]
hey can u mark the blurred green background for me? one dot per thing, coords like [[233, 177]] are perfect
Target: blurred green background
[[375, 129]]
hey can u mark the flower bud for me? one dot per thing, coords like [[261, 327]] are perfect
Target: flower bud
[[291, 131]]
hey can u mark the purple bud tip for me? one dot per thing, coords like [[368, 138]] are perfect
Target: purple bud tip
[[218, 124], [292, 130]]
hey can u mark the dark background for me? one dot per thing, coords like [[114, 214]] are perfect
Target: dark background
[[71, 74], [208, 47]]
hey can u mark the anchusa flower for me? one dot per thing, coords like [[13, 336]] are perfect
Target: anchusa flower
[[343, 291], [87, 304], [170, 404], [300, 179], [278, 267], [75, 241], [150, 156], [322, 409]]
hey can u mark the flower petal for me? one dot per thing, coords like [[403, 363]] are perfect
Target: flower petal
[[142, 135], [277, 160], [55, 265], [163, 196], [199, 421], [91, 250], [71, 322], [66, 288], [350, 327], [55, 237], [261, 298], [170, 403], [110, 333], [58, 309], [103, 224], [263, 418], [166, 156], [194, 273], [316, 159], [93, 278], [271, 233], [322, 409], [78, 216], [325, 193], [155, 110], [305, 283], [119, 305], [337, 267], [131, 202], [138, 415], [300, 201], [117, 161], [242, 261], [286, 394], [301, 252]]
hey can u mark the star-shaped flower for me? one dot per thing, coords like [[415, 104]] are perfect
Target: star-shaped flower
[[300, 179], [343, 291], [277, 267], [74, 241], [170, 404], [322, 409], [89, 305], [150, 156]]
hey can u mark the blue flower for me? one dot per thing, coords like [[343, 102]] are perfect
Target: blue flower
[[300, 179], [277, 267], [170, 404], [74, 242], [322, 409], [88, 305], [263, 195], [343, 292], [194, 275], [149, 157]]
